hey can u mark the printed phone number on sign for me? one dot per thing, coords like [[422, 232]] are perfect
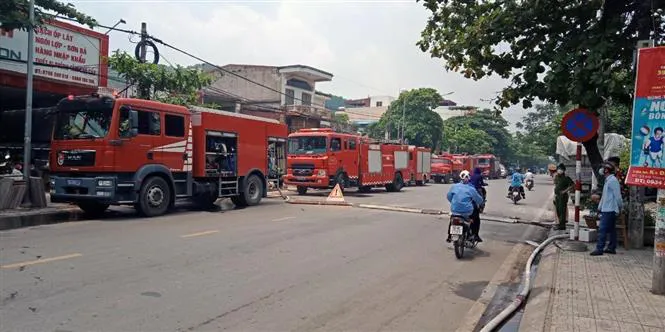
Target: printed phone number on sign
[[649, 181]]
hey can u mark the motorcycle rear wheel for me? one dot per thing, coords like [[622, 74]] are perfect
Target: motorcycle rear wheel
[[459, 246]]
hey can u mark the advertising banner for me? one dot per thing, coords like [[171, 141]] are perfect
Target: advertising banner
[[63, 52], [647, 166]]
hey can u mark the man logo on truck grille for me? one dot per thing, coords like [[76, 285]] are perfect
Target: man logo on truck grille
[[61, 158]]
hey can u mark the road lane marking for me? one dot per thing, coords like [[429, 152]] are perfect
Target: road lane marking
[[282, 219], [199, 234], [40, 261]]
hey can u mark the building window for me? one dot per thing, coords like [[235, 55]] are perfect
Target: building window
[[174, 125], [379, 103], [306, 99], [290, 94]]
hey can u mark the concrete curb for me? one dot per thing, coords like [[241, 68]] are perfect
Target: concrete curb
[[502, 275], [538, 305]]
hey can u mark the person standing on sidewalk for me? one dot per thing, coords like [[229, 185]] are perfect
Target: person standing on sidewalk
[[562, 185], [609, 207]]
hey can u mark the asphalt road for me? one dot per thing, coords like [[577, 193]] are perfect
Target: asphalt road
[[272, 267]]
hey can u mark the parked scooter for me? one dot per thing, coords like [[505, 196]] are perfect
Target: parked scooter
[[460, 234]]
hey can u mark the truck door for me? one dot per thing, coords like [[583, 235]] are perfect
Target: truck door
[[131, 153], [354, 157], [336, 155]]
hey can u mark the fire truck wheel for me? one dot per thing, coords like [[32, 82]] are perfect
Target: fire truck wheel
[[253, 191], [439, 180], [155, 197], [419, 182], [302, 190], [93, 208]]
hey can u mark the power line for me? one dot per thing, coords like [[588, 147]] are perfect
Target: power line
[[230, 72]]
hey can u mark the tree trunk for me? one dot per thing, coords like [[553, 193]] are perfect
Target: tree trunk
[[592, 151]]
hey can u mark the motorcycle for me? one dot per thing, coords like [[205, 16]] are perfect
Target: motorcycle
[[515, 195], [529, 184], [460, 234]]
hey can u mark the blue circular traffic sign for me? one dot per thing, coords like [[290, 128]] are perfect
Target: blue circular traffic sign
[[579, 125]]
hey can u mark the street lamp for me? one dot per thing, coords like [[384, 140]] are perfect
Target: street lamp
[[113, 27]]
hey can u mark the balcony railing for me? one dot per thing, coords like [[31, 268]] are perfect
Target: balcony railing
[[308, 111]]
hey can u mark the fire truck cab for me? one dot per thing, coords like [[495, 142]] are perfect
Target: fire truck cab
[[107, 151], [321, 158]]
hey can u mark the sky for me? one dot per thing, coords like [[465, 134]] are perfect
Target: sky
[[369, 46]]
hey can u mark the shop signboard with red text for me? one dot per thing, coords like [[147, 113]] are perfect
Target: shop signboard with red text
[[647, 166], [63, 53]]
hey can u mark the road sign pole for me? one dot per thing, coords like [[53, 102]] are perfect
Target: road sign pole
[[575, 235]]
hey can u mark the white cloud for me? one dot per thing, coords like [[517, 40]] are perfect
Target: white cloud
[[369, 47]]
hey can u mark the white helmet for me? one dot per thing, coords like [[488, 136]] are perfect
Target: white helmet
[[465, 175]]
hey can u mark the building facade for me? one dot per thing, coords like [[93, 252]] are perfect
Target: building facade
[[287, 93]]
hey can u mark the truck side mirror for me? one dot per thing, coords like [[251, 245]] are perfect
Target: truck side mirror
[[133, 123]]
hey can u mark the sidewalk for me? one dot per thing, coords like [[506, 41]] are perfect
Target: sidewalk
[[577, 292]]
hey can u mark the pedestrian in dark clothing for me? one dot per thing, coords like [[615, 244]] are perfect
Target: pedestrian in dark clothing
[[562, 185]]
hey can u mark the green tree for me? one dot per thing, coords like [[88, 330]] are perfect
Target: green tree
[[466, 139], [173, 85], [422, 126], [542, 126], [14, 13], [489, 122], [558, 51], [527, 151]]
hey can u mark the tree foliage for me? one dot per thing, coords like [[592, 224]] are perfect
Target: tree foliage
[[486, 121], [466, 139], [542, 126], [558, 51], [174, 85], [422, 126], [14, 13]]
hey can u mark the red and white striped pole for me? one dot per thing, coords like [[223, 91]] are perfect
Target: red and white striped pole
[[575, 235]]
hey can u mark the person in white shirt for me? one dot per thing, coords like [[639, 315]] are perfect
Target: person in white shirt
[[528, 175]]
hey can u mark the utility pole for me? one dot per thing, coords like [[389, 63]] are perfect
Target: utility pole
[[27, 146], [144, 91]]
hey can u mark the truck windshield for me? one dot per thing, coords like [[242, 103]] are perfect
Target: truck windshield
[[83, 118], [307, 145], [483, 161]]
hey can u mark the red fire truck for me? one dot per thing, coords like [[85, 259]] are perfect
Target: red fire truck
[[489, 165], [107, 151], [420, 165], [321, 158], [442, 168]]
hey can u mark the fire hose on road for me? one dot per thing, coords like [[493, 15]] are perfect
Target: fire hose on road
[[521, 297]]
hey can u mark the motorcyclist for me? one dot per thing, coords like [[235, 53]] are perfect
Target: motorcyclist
[[516, 182], [478, 182], [464, 201], [528, 176]]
